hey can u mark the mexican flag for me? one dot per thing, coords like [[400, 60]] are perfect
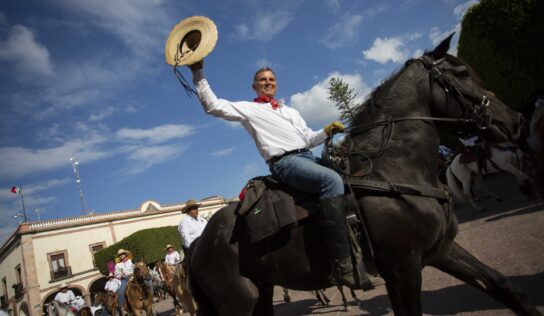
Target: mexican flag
[[16, 190]]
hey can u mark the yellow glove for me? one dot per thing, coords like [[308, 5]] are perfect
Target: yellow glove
[[333, 128]]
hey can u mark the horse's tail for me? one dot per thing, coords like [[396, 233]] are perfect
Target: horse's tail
[[452, 183], [204, 304]]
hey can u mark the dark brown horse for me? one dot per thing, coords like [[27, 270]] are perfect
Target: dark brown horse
[[108, 301], [182, 290], [138, 296], [167, 277], [411, 223]]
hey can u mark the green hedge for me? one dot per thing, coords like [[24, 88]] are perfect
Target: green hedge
[[147, 244], [502, 41]]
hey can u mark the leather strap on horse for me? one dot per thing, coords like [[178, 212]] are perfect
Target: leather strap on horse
[[399, 188]]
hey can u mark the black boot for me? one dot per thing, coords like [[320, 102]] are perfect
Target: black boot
[[333, 226]]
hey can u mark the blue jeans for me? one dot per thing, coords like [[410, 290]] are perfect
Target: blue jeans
[[303, 172], [121, 292]]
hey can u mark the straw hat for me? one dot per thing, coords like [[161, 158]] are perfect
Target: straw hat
[[121, 251], [64, 285], [189, 205], [190, 41], [169, 246]]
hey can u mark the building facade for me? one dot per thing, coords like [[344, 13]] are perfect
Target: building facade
[[39, 256]]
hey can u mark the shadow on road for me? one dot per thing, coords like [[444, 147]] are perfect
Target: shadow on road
[[461, 298]]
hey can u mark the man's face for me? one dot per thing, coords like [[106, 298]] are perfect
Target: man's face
[[193, 212], [122, 256], [265, 84], [64, 290]]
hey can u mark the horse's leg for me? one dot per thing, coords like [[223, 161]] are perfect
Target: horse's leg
[[403, 283], [265, 306], [457, 262], [479, 182], [354, 296], [286, 296], [347, 308]]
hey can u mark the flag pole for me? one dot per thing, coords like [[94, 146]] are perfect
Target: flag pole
[[23, 201]]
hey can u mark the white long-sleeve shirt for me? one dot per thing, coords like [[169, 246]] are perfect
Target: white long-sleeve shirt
[[172, 258], [65, 297], [191, 228], [112, 285], [274, 131], [124, 269]]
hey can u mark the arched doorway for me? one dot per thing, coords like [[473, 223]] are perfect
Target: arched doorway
[[51, 296], [97, 286]]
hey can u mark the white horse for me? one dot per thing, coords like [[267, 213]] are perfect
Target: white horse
[[504, 157], [55, 308]]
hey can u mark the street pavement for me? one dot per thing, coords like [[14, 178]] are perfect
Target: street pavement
[[508, 237]]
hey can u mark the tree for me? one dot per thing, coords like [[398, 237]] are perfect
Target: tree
[[147, 244], [501, 40], [343, 97]]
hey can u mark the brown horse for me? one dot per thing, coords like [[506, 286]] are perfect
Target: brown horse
[[167, 276], [138, 296], [182, 290], [108, 301]]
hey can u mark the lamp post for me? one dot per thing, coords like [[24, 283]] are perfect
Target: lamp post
[[75, 163]]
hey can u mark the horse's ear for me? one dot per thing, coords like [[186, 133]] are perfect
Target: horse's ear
[[442, 49]]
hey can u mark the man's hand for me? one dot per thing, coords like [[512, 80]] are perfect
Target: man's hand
[[197, 66], [333, 128]]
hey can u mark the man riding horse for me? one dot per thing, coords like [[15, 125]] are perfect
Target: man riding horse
[[284, 141]]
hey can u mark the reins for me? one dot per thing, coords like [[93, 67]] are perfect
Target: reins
[[472, 113]]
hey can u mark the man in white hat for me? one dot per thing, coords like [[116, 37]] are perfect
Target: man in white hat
[[172, 256], [191, 226], [124, 269], [65, 295], [284, 141]]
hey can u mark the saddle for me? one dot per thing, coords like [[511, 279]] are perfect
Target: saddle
[[268, 207]]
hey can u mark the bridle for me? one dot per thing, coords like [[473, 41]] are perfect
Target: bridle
[[474, 109]]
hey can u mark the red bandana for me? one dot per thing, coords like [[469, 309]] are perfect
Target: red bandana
[[265, 99]]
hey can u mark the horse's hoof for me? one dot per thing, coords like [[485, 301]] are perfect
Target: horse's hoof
[[347, 309], [287, 299]]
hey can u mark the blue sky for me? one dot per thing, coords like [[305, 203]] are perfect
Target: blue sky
[[88, 79]]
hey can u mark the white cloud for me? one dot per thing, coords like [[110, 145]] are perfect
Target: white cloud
[[148, 156], [157, 134], [102, 114], [343, 32], [19, 161], [417, 53], [223, 152], [314, 105], [138, 23], [264, 27], [334, 5], [386, 49], [462, 8], [28, 57]]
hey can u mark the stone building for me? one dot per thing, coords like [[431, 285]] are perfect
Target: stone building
[[39, 256]]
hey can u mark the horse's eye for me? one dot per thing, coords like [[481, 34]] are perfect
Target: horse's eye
[[462, 72]]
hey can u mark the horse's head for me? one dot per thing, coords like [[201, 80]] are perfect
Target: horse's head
[[457, 92], [98, 298], [141, 271]]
